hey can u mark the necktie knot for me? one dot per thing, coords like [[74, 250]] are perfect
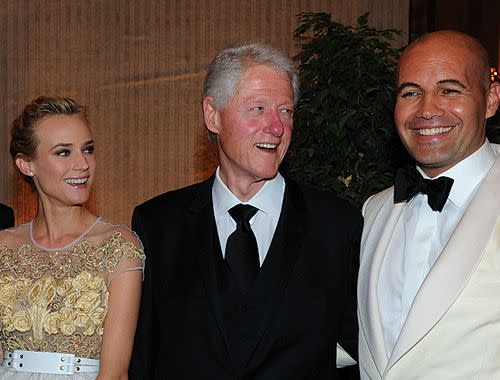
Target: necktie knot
[[409, 182], [241, 213]]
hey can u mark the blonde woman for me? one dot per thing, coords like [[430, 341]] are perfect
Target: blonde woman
[[69, 280]]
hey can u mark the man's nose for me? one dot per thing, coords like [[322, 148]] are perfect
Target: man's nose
[[430, 107], [275, 124]]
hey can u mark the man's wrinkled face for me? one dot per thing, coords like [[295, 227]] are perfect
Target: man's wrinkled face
[[255, 126]]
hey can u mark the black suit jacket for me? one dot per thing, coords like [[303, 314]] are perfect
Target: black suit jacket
[[6, 216], [304, 303]]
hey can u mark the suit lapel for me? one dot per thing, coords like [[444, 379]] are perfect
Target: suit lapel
[[380, 223], [278, 265], [455, 265], [206, 245]]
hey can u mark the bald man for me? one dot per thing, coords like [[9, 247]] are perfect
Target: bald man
[[6, 217], [429, 281]]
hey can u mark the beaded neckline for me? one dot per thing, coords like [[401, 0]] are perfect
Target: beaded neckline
[[70, 244]]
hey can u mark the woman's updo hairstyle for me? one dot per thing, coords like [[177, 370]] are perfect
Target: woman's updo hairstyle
[[23, 140]]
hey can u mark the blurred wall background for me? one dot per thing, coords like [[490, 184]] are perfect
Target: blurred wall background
[[139, 66]]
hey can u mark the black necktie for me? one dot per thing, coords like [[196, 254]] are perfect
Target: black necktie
[[409, 182], [242, 254]]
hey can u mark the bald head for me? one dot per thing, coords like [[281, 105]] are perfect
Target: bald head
[[451, 44], [444, 96]]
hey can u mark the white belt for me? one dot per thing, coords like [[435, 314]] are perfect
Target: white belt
[[48, 362]]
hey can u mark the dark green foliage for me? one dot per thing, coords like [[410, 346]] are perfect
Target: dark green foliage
[[344, 139]]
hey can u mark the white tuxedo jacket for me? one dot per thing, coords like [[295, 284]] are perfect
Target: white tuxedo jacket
[[453, 327]]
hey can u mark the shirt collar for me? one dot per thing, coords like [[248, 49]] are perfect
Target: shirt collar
[[268, 199], [468, 173]]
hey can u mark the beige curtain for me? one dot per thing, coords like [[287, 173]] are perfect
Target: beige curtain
[[139, 65]]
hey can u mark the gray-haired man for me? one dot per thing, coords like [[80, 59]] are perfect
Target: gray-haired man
[[248, 274]]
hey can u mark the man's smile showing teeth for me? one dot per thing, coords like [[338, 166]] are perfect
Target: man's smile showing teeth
[[76, 181], [270, 147], [432, 131]]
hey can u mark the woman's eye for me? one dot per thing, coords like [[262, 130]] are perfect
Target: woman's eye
[[63, 153], [89, 150]]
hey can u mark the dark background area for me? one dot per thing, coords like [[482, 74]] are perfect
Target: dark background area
[[479, 18]]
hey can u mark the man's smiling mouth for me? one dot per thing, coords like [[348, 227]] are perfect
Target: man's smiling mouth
[[269, 147]]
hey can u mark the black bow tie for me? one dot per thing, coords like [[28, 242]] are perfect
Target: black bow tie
[[409, 182]]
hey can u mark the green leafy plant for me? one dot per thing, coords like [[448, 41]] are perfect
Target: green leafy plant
[[344, 137]]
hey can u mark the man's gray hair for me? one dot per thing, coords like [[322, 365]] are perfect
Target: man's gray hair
[[229, 65]]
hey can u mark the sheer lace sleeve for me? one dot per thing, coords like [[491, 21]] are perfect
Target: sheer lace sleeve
[[122, 252]]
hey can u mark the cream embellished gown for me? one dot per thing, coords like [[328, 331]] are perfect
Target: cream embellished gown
[[57, 299]]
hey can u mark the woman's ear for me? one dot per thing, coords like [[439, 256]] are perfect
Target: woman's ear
[[24, 165]]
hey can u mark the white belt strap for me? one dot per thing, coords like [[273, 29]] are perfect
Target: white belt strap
[[48, 362]]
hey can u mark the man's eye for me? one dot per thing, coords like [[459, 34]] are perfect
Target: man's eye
[[89, 150], [287, 111], [448, 91], [408, 94], [63, 153], [258, 108]]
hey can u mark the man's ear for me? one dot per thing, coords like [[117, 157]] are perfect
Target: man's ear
[[492, 99], [211, 115], [24, 165]]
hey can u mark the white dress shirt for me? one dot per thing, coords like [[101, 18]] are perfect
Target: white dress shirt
[[268, 200], [419, 238]]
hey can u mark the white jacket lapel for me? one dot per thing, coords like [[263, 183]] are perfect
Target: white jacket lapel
[[455, 265], [381, 216]]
